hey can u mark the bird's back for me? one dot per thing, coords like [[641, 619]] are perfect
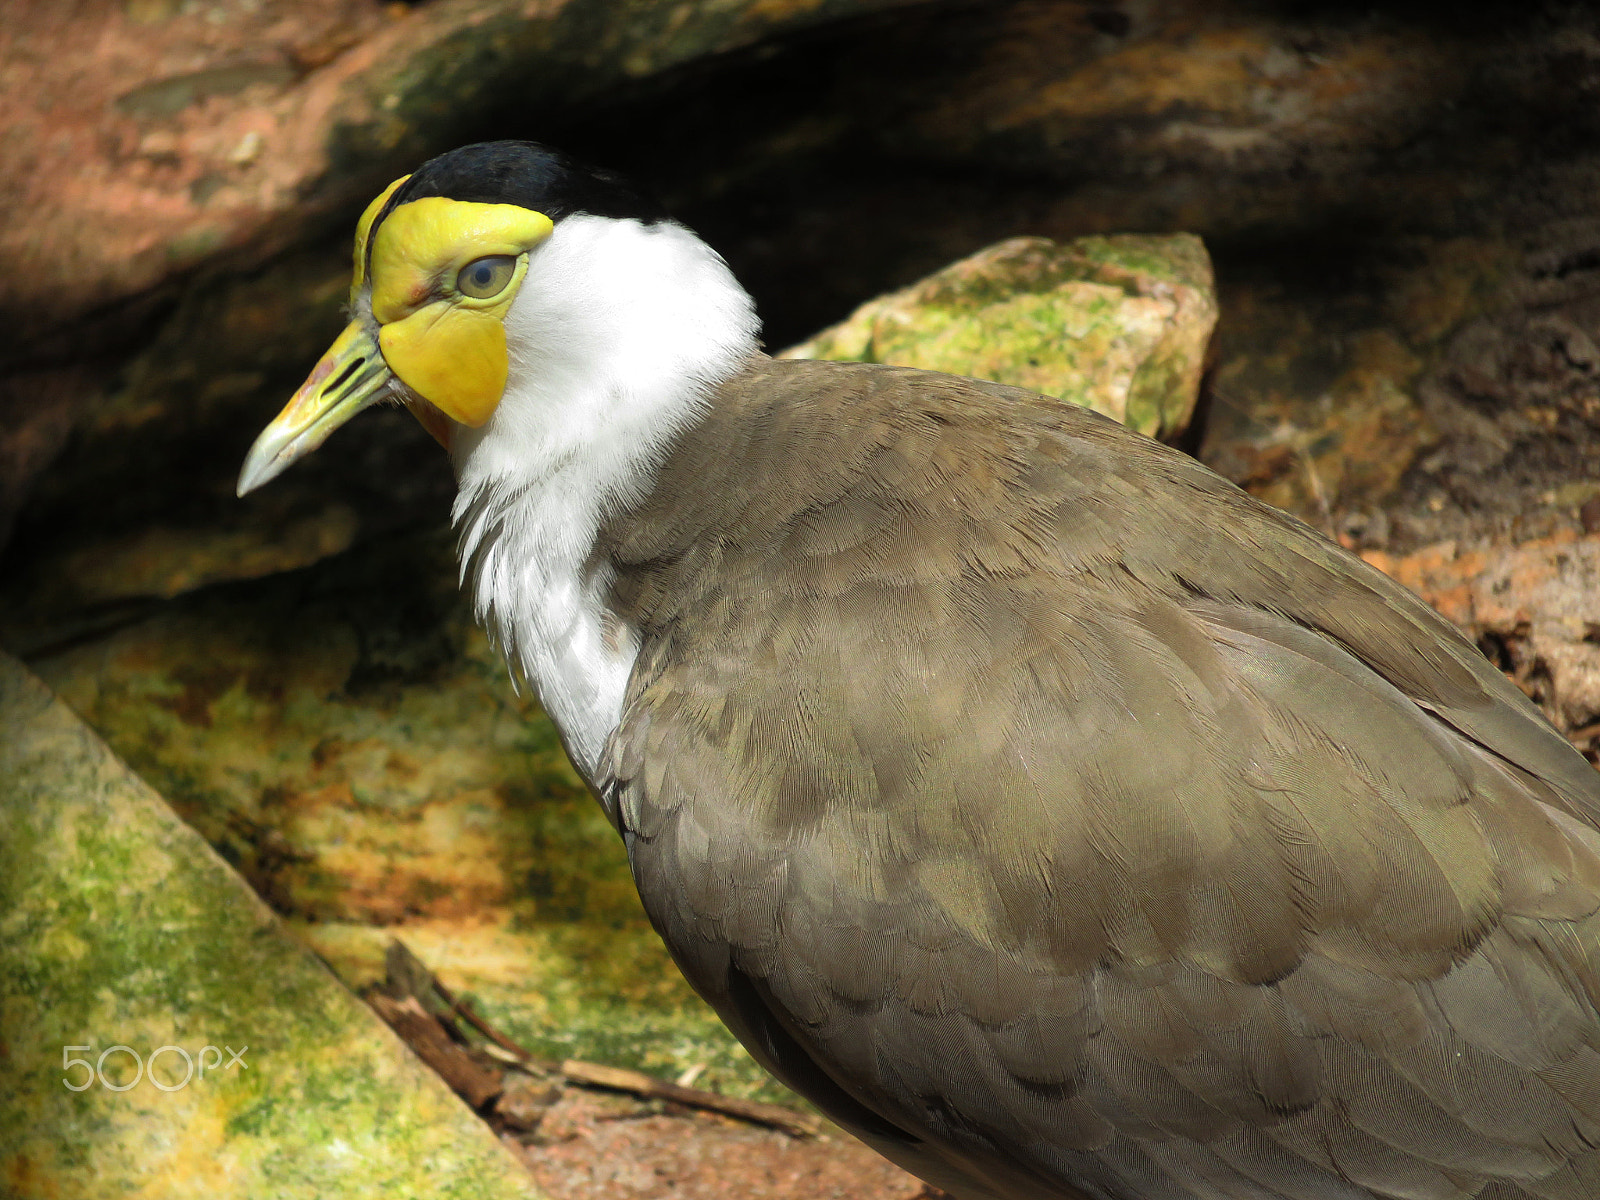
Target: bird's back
[[1068, 823]]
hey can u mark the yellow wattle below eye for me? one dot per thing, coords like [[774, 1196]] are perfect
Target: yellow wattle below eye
[[486, 278], [452, 355]]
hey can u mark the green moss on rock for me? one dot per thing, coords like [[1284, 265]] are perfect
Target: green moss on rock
[[1117, 324], [120, 927]]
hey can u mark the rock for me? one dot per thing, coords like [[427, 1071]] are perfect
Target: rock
[[1535, 606], [163, 1033], [177, 418], [1168, 92], [126, 163], [1117, 324], [159, 563], [37, 412]]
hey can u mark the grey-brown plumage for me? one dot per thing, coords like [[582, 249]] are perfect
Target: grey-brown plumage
[[1068, 824]]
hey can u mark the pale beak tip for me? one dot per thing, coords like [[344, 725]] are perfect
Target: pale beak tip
[[265, 461]]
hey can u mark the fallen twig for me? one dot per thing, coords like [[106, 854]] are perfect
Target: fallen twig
[[421, 1030], [650, 1088], [410, 980], [471, 1017]]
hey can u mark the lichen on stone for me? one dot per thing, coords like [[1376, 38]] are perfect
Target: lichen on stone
[[120, 927], [1117, 324]]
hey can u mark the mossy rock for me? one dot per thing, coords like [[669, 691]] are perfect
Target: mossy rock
[[1117, 324], [120, 927]]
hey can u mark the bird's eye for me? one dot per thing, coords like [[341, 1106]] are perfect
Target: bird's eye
[[484, 278]]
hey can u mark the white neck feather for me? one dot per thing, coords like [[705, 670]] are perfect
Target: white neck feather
[[617, 337]]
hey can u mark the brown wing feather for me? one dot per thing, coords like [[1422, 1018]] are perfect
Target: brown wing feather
[[1070, 824]]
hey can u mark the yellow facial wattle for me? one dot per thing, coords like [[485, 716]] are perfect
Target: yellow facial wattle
[[447, 344], [455, 358]]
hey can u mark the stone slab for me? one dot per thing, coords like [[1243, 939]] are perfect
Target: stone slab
[[119, 926]]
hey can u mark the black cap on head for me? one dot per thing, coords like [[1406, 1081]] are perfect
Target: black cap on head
[[525, 174]]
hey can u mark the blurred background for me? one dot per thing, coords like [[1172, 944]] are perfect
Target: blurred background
[[1402, 203]]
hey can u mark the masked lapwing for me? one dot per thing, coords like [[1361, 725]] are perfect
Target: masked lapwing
[[1059, 819]]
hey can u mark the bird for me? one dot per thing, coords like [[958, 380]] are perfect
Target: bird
[[1058, 818]]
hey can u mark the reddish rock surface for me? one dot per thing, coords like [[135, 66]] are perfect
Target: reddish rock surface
[[596, 1147], [147, 137], [1534, 607], [144, 138]]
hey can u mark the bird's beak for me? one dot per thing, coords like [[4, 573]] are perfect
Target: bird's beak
[[351, 376]]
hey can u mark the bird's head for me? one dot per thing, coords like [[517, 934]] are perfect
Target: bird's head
[[506, 270]]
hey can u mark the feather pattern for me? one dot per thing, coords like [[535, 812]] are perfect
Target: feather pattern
[[1066, 823]]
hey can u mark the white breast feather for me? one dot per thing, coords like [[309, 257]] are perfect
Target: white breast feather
[[619, 333]]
